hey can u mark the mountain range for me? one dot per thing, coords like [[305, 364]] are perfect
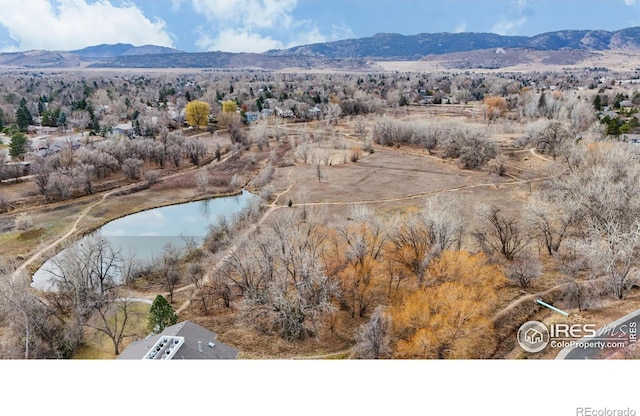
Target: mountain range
[[342, 54]]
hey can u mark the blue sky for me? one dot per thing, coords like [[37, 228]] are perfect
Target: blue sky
[[259, 25]]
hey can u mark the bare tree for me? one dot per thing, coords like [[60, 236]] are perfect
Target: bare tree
[[196, 274], [303, 152], [27, 315], [361, 128], [59, 185], [358, 254], [552, 222], [237, 134], [524, 268], [319, 173], [582, 294], [615, 254], [476, 152], [411, 245], [132, 168], [553, 138], [195, 150], [41, 170], [114, 319], [501, 233], [84, 276], [169, 269], [202, 180], [23, 221], [280, 276], [374, 338]]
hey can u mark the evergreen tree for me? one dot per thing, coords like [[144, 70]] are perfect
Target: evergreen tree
[[18, 146], [161, 315], [23, 116], [597, 103], [62, 120], [542, 105]]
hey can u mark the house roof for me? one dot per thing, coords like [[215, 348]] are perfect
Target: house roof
[[199, 344]]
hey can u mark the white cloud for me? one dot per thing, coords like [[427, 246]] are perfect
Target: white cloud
[[508, 27], [257, 14], [462, 27], [230, 40], [74, 24], [516, 15], [313, 35], [257, 26], [630, 2]]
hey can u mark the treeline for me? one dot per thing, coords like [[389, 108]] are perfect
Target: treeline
[[71, 172]]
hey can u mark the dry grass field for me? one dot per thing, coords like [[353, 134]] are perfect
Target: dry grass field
[[619, 59]]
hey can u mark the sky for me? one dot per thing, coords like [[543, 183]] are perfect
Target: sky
[[260, 25]]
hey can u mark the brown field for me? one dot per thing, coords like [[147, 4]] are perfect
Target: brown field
[[620, 60]]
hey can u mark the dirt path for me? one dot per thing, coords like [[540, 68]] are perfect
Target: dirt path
[[533, 152], [234, 247], [530, 297], [350, 351], [74, 228], [424, 194]]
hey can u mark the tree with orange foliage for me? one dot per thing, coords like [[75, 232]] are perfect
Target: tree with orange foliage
[[419, 236], [495, 106], [356, 247], [450, 316]]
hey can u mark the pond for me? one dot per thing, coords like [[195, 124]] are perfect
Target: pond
[[144, 235]]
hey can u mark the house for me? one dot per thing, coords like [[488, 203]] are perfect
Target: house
[[185, 340], [252, 116], [284, 113], [315, 112], [631, 138], [124, 129]]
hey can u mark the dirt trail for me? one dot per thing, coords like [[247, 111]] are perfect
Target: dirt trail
[[234, 247], [530, 297], [74, 228], [533, 152]]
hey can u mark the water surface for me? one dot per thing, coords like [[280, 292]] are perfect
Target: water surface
[[145, 235]]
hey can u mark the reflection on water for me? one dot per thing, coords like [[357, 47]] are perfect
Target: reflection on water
[[144, 235], [204, 207]]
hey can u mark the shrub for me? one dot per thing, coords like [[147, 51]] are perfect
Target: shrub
[[23, 221]]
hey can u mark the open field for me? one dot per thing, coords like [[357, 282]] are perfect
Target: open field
[[620, 60]]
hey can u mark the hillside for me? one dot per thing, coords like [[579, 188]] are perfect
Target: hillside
[[392, 46], [226, 60], [121, 49], [462, 50]]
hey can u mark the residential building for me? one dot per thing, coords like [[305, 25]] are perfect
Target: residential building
[[184, 340]]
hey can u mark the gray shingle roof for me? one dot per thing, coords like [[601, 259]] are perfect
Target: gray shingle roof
[[190, 350]]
